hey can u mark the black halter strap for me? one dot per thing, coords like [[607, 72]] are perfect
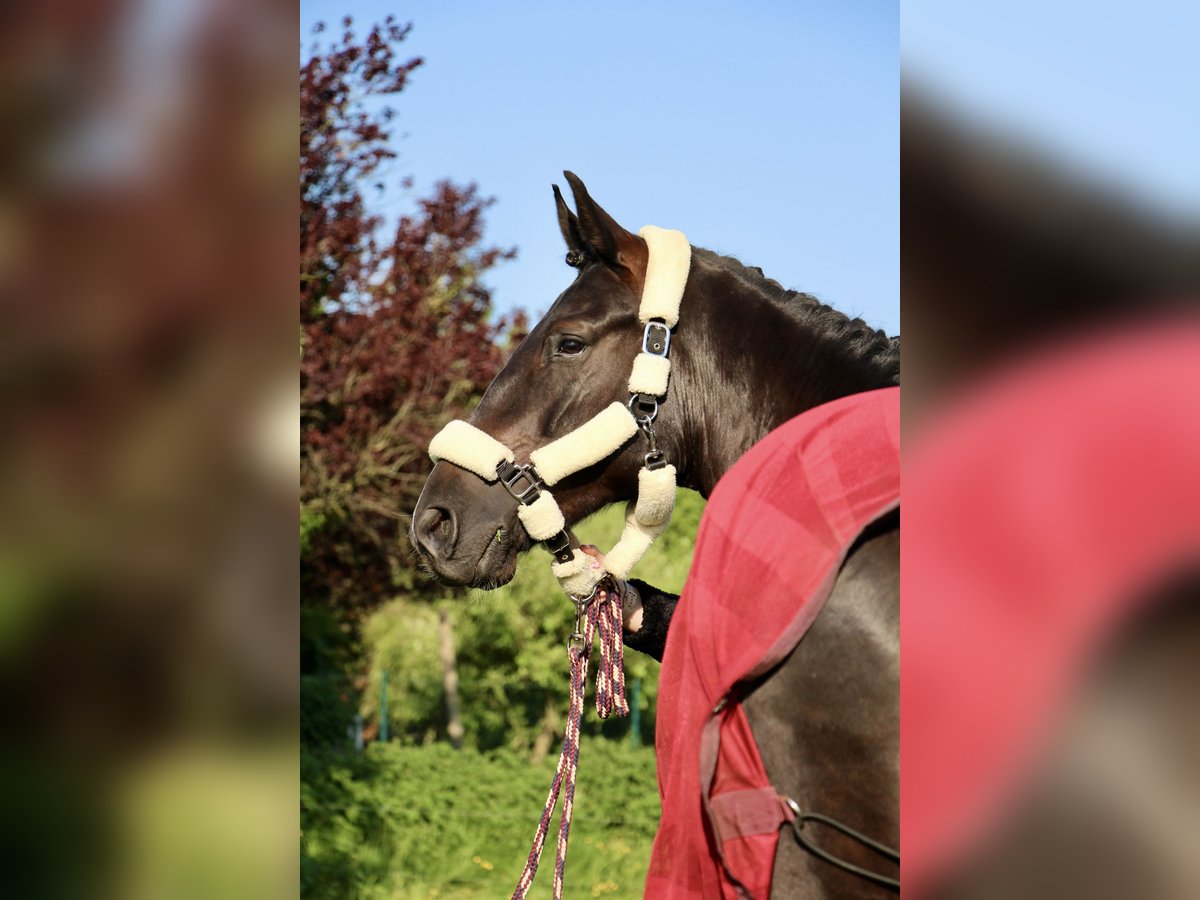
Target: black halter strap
[[525, 485]]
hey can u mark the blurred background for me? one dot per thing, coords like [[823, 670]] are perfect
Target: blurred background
[[1051, 626], [148, 474]]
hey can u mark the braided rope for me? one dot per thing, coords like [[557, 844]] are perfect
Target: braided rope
[[602, 617]]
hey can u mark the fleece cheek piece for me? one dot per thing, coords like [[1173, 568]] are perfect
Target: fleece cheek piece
[[656, 497], [469, 448], [635, 541], [542, 518], [650, 374]]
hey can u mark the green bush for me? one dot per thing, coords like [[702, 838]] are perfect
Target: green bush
[[510, 643], [415, 819], [327, 699], [416, 822], [325, 710], [409, 654]]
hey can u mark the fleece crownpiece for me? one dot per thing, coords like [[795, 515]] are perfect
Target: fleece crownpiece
[[666, 274], [601, 436]]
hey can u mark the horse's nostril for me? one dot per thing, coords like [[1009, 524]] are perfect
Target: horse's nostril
[[437, 531]]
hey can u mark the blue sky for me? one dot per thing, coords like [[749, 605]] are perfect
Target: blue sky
[[1111, 87], [770, 131]]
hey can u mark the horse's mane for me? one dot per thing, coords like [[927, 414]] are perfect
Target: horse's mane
[[858, 339]]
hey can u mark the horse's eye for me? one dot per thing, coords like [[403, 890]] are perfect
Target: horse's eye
[[569, 346]]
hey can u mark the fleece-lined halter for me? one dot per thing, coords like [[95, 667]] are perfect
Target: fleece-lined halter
[[600, 437]]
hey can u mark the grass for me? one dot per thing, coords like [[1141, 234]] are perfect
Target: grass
[[430, 822]]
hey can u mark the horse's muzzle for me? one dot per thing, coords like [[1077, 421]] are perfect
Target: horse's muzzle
[[435, 532], [465, 530]]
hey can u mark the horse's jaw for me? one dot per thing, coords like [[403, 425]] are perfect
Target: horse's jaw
[[491, 568]]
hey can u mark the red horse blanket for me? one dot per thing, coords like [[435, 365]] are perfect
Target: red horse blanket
[[771, 542]]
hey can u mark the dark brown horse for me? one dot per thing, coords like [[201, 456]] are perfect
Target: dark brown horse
[[747, 356]]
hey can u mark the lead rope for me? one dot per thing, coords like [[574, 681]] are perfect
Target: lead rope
[[592, 615]]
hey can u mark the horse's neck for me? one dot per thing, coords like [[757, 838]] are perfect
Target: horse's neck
[[745, 370]]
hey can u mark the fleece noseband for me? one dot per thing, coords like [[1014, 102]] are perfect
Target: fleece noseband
[[600, 437]]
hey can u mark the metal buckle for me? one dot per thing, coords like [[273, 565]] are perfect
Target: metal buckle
[[509, 474], [656, 339]]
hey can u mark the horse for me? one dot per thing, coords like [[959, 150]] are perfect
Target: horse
[[747, 356]]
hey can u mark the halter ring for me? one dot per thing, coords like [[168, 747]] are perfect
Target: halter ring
[[646, 405]]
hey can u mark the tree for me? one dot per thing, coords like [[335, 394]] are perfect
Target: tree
[[397, 335]]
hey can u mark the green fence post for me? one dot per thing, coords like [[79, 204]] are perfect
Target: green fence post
[[383, 710], [635, 714]]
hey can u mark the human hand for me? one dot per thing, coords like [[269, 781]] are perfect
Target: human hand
[[631, 600]]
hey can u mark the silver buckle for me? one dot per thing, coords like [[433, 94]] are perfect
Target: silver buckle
[[510, 474], [656, 339]]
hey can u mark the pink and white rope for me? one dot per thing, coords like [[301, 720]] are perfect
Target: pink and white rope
[[603, 617]]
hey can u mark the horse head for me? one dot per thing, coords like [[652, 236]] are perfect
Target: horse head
[[574, 363]]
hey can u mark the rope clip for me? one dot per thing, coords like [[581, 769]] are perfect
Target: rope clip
[[575, 640]]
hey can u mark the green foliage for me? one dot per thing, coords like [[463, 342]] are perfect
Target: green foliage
[[326, 704], [512, 663], [409, 654], [325, 710], [417, 822], [311, 522], [414, 818]]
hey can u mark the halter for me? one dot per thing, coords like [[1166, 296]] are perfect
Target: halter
[[600, 437]]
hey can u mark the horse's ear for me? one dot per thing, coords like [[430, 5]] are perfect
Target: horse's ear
[[604, 237], [569, 226]]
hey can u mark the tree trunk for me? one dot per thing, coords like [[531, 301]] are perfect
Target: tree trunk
[[545, 739], [454, 727]]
